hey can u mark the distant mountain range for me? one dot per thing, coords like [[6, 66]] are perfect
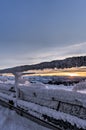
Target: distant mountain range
[[60, 64]]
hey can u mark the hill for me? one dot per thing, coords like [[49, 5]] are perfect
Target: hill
[[60, 64]]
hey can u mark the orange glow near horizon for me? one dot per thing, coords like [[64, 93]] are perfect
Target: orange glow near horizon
[[77, 71], [73, 74], [62, 74]]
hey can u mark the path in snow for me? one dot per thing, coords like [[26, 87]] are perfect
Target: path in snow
[[10, 120]]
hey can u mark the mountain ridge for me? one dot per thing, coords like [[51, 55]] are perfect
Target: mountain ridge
[[60, 64]]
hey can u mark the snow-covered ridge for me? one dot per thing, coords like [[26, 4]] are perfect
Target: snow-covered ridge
[[65, 63]]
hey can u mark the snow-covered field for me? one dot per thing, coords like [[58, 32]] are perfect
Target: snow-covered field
[[10, 120], [8, 81], [35, 93], [60, 87]]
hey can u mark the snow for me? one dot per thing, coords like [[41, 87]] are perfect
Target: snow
[[32, 107], [7, 79], [41, 95], [82, 91], [6, 82], [10, 120], [5, 97], [37, 85], [80, 86], [60, 87], [5, 86], [58, 94]]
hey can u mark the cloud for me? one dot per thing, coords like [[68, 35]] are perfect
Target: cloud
[[53, 53], [62, 52], [76, 49]]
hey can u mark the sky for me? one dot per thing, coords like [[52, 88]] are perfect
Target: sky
[[34, 31]]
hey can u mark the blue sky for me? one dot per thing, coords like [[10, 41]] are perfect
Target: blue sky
[[32, 31]]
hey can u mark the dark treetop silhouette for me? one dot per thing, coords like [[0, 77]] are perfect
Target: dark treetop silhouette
[[60, 64]]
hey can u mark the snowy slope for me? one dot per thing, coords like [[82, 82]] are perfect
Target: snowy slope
[[10, 120]]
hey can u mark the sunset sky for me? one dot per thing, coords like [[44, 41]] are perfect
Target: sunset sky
[[33, 31], [74, 71]]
